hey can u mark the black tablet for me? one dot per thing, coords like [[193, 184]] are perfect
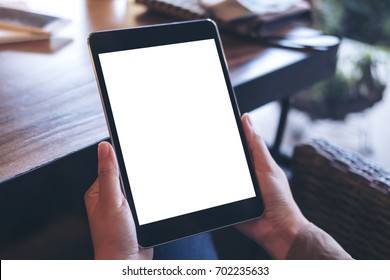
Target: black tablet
[[176, 129]]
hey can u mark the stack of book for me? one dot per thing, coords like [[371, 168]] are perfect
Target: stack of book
[[18, 25], [250, 18]]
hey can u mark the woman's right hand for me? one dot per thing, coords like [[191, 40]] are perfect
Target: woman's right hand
[[278, 227]]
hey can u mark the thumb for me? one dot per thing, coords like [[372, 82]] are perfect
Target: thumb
[[108, 176], [262, 159]]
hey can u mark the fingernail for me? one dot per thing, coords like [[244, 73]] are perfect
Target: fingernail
[[103, 150], [249, 120]]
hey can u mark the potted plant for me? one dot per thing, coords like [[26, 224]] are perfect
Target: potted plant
[[341, 95]]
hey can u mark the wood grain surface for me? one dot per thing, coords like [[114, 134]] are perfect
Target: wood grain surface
[[49, 102]]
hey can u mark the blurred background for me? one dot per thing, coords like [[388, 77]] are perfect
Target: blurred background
[[352, 109]]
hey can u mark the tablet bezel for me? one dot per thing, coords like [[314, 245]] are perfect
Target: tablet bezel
[[148, 36]]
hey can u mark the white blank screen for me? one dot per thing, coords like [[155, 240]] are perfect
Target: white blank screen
[[176, 127]]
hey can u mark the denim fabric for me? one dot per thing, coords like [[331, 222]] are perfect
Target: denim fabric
[[199, 247]]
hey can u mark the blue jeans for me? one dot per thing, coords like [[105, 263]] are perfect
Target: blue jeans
[[198, 247]]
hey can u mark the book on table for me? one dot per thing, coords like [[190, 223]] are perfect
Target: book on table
[[18, 25], [248, 18]]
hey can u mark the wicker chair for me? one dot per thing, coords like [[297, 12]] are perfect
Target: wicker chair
[[346, 196]]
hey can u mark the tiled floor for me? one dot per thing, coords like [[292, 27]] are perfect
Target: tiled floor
[[366, 133]]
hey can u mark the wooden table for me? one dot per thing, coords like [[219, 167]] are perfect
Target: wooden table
[[50, 111]]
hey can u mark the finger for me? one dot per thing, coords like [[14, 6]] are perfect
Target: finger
[[262, 158], [108, 174], [91, 196]]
